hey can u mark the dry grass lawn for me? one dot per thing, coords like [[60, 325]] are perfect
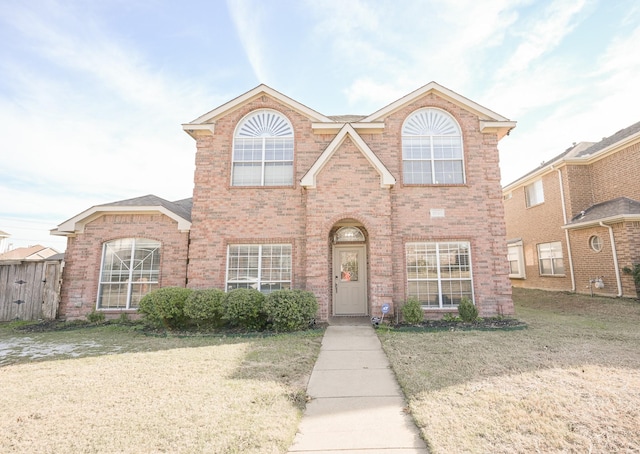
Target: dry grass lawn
[[570, 382], [232, 396]]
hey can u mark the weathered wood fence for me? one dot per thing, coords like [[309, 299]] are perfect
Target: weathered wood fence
[[29, 290]]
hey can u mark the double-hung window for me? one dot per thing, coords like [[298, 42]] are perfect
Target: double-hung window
[[439, 274], [534, 194], [264, 267], [263, 151], [432, 149], [130, 269], [516, 260], [550, 259]]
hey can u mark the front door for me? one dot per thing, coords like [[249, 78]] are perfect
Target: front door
[[350, 280]]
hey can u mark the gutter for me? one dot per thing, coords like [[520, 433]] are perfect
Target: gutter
[[615, 257]]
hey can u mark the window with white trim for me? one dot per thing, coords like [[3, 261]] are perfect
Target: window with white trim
[[264, 267], [439, 274], [534, 194], [263, 150], [130, 269], [515, 255], [550, 259], [432, 149]]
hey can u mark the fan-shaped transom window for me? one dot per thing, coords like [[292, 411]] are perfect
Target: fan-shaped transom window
[[432, 149], [348, 234], [263, 150]]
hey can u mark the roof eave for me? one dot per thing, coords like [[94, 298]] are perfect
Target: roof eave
[[608, 220], [77, 223]]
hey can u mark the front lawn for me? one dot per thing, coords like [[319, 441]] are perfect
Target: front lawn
[[569, 382], [114, 389]]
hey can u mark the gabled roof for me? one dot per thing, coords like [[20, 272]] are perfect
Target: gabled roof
[[179, 211], [616, 210], [386, 179], [490, 121], [583, 153], [207, 121], [4, 234], [37, 252]]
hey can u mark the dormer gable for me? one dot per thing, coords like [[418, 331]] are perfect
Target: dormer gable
[[386, 178], [490, 121], [205, 124]]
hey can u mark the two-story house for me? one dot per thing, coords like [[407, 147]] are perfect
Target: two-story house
[[364, 211], [573, 223]]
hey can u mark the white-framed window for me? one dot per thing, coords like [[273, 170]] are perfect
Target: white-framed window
[[130, 269], [534, 194], [550, 259], [432, 149], [439, 274], [595, 243], [515, 255], [264, 267], [263, 150]]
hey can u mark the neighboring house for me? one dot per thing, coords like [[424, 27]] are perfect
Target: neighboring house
[[574, 222], [362, 211], [36, 252]]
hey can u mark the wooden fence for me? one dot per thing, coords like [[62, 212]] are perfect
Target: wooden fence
[[29, 290]]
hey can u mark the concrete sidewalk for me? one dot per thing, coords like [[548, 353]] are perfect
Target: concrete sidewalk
[[356, 404]]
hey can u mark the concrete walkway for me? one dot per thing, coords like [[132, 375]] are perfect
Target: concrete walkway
[[356, 404]]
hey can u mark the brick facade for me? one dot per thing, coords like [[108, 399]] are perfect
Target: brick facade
[[347, 189], [592, 179]]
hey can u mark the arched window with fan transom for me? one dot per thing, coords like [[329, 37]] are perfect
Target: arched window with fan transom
[[432, 151], [263, 150]]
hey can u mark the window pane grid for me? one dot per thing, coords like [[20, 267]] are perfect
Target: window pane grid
[[432, 149], [550, 258], [262, 267], [130, 269], [439, 274]]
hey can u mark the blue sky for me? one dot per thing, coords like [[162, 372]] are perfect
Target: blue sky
[[93, 93]]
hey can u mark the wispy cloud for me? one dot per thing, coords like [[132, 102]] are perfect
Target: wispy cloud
[[248, 16]]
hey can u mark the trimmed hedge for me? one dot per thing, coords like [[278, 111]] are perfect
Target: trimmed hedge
[[204, 307], [164, 307], [467, 310], [244, 308], [290, 310]]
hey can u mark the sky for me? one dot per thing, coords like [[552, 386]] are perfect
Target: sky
[[93, 93]]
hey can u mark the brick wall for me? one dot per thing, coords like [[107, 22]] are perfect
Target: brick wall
[[348, 187], [535, 225], [84, 255]]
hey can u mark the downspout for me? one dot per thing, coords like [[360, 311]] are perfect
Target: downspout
[[615, 257], [566, 231]]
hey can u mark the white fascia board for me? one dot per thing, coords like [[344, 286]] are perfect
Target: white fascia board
[[452, 96], [386, 179], [260, 89], [609, 220], [333, 128], [613, 148], [502, 128], [76, 224], [193, 129]]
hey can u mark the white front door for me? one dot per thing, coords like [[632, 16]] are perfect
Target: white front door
[[350, 280]]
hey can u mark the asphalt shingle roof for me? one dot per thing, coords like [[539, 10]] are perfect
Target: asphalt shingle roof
[[180, 207], [611, 208]]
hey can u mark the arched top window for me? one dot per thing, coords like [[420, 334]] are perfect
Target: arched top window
[[263, 150], [432, 150], [348, 234]]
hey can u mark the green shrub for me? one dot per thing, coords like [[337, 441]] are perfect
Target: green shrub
[[244, 308], [290, 310], [204, 307], [412, 311], [467, 310], [96, 316], [448, 317], [164, 307]]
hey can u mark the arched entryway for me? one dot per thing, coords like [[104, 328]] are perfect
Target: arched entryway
[[349, 270]]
